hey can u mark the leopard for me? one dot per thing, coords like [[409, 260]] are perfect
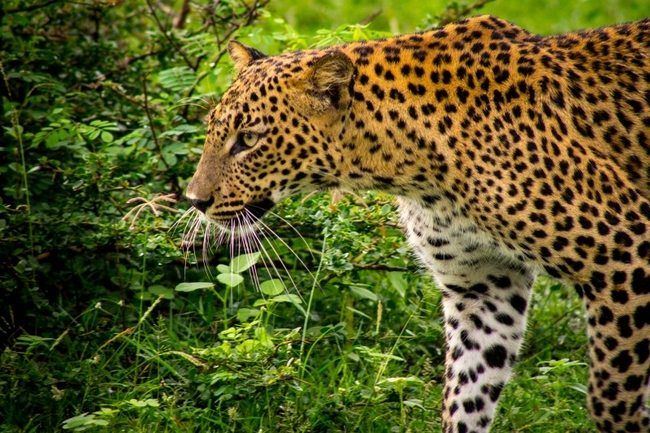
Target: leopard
[[509, 155]]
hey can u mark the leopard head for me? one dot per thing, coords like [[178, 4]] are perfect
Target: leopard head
[[277, 131]]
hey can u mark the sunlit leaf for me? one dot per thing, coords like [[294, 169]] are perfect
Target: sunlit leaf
[[190, 287], [223, 269], [106, 136], [230, 279], [288, 297], [150, 402], [272, 287], [240, 263]]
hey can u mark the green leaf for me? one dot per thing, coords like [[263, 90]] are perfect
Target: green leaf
[[398, 282], [163, 291], [179, 130], [143, 296], [150, 402], [290, 298], [177, 79], [94, 133], [240, 263], [581, 388], [287, 297], [364, 293], [272, 287], [83, 422], [245, 314], [414, 402], [177, 149], [223, 269], [353, 356], [106, 136], [361, 313], [190, 287], [410, 380], [230, 280], [170, 158], [260, 302], [77, 421]]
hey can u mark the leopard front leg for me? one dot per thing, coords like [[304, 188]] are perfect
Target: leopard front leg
[[485, 297], [485, 320]]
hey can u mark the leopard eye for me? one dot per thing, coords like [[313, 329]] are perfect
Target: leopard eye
[[245, 141], [249, 138]]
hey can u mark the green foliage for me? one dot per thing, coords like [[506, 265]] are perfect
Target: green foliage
[[106, 324]]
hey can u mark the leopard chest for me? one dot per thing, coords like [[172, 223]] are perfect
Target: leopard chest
[[447, 241]]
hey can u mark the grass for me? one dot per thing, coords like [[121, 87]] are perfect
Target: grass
[[539, 16], [369, 358]]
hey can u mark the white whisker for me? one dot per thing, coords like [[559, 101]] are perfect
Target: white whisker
[[258, 242], [295, 230], [250, 249], [185, 214], [279, 258], [264, 226], [189, 236], [207, 231]]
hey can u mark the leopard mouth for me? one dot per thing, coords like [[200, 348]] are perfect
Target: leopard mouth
[[259, 208], [249, 213]]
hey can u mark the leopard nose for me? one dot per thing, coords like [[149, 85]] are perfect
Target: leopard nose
[[202, 205]]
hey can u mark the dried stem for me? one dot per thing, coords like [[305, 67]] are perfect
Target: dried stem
[[455, 12], [179, 22]]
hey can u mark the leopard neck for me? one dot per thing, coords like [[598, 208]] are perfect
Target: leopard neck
[[412, 100]]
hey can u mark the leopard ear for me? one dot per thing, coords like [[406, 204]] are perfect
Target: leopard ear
[[331, 70], [330, 75], [243, 55]]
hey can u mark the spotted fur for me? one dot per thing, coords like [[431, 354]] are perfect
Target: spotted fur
[[510, 154]]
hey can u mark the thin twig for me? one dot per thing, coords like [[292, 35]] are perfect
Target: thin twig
[[170, 39], [122, 64], [250, 16], [151, 126]]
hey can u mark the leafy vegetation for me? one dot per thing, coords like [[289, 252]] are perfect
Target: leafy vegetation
[[111, 320]]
